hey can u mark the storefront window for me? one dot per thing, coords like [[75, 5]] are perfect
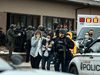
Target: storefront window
[[44, 22], [55, 20], [70, 25], [29, 20], [49, 23], [17, 19], [12, 19], [63, 22], [36, 22], [66, 24], [60, 22], [23, 21]]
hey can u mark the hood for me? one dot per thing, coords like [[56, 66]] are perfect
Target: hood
[[70, 35]]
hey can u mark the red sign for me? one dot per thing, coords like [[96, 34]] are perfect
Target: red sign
[[82, 19]]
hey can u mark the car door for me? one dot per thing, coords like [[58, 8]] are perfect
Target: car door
[[96, 56], [85, 64]]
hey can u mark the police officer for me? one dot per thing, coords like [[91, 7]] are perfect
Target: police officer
[[11, 36], [56, 33], [18, 40], [29, 34], [2, 37], [41, 29], [62, 45], [23, 39], [45, 30], [50, 32], [55, 25]]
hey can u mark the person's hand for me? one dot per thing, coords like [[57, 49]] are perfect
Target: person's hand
[[54, 37], [46, 48], [19, 34], [43, 46], [85, 48], [52, 42], [25, 43], [38, 38]]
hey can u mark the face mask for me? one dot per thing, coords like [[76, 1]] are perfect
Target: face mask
[[86, 36], [68, 36], [38, 36], [47, 39], [91, 34]]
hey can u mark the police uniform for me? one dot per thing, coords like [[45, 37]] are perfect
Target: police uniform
[[18, 41], [63, 56], [11, 36], [2, 38], [23, 40], [41, 29], [29, 34]]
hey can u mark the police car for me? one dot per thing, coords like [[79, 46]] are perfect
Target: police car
[[9, 69], [87, 62]]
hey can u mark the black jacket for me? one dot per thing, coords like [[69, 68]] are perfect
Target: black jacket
[[68, 44]]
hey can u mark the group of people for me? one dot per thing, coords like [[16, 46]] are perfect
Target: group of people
[[88, 38], [52, 45], [41, 44], [44, 44]]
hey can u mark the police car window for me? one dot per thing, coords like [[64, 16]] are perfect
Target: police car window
[[96, 47]]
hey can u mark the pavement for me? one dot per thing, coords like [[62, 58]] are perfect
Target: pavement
[[28, 66]]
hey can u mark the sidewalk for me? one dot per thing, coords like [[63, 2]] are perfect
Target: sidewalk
[[28, 66]]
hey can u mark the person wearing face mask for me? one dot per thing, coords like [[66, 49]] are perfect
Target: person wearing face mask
[[46, 48], [61, 46], [74, 50], [56, 33], [36, 49], [87, 40], [91, 32]]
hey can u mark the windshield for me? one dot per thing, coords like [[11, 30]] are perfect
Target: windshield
[[86, 29]]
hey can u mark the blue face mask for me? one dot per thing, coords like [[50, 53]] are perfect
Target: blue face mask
[[86, 36], [68, 36], [47, 39], [38, 36]]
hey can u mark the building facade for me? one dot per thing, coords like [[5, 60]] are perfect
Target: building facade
[[35, 12]]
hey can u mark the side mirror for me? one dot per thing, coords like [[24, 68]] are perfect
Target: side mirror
[[16, 59], [81, 48], [90, 50]]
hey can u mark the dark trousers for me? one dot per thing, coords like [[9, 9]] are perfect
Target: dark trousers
[[64, 66], [35, 61], [10, 47], [18, 44], [44, 60], [27, 48]]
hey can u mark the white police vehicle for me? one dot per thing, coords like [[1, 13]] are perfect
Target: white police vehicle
[[87, 62], [9, 69]]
